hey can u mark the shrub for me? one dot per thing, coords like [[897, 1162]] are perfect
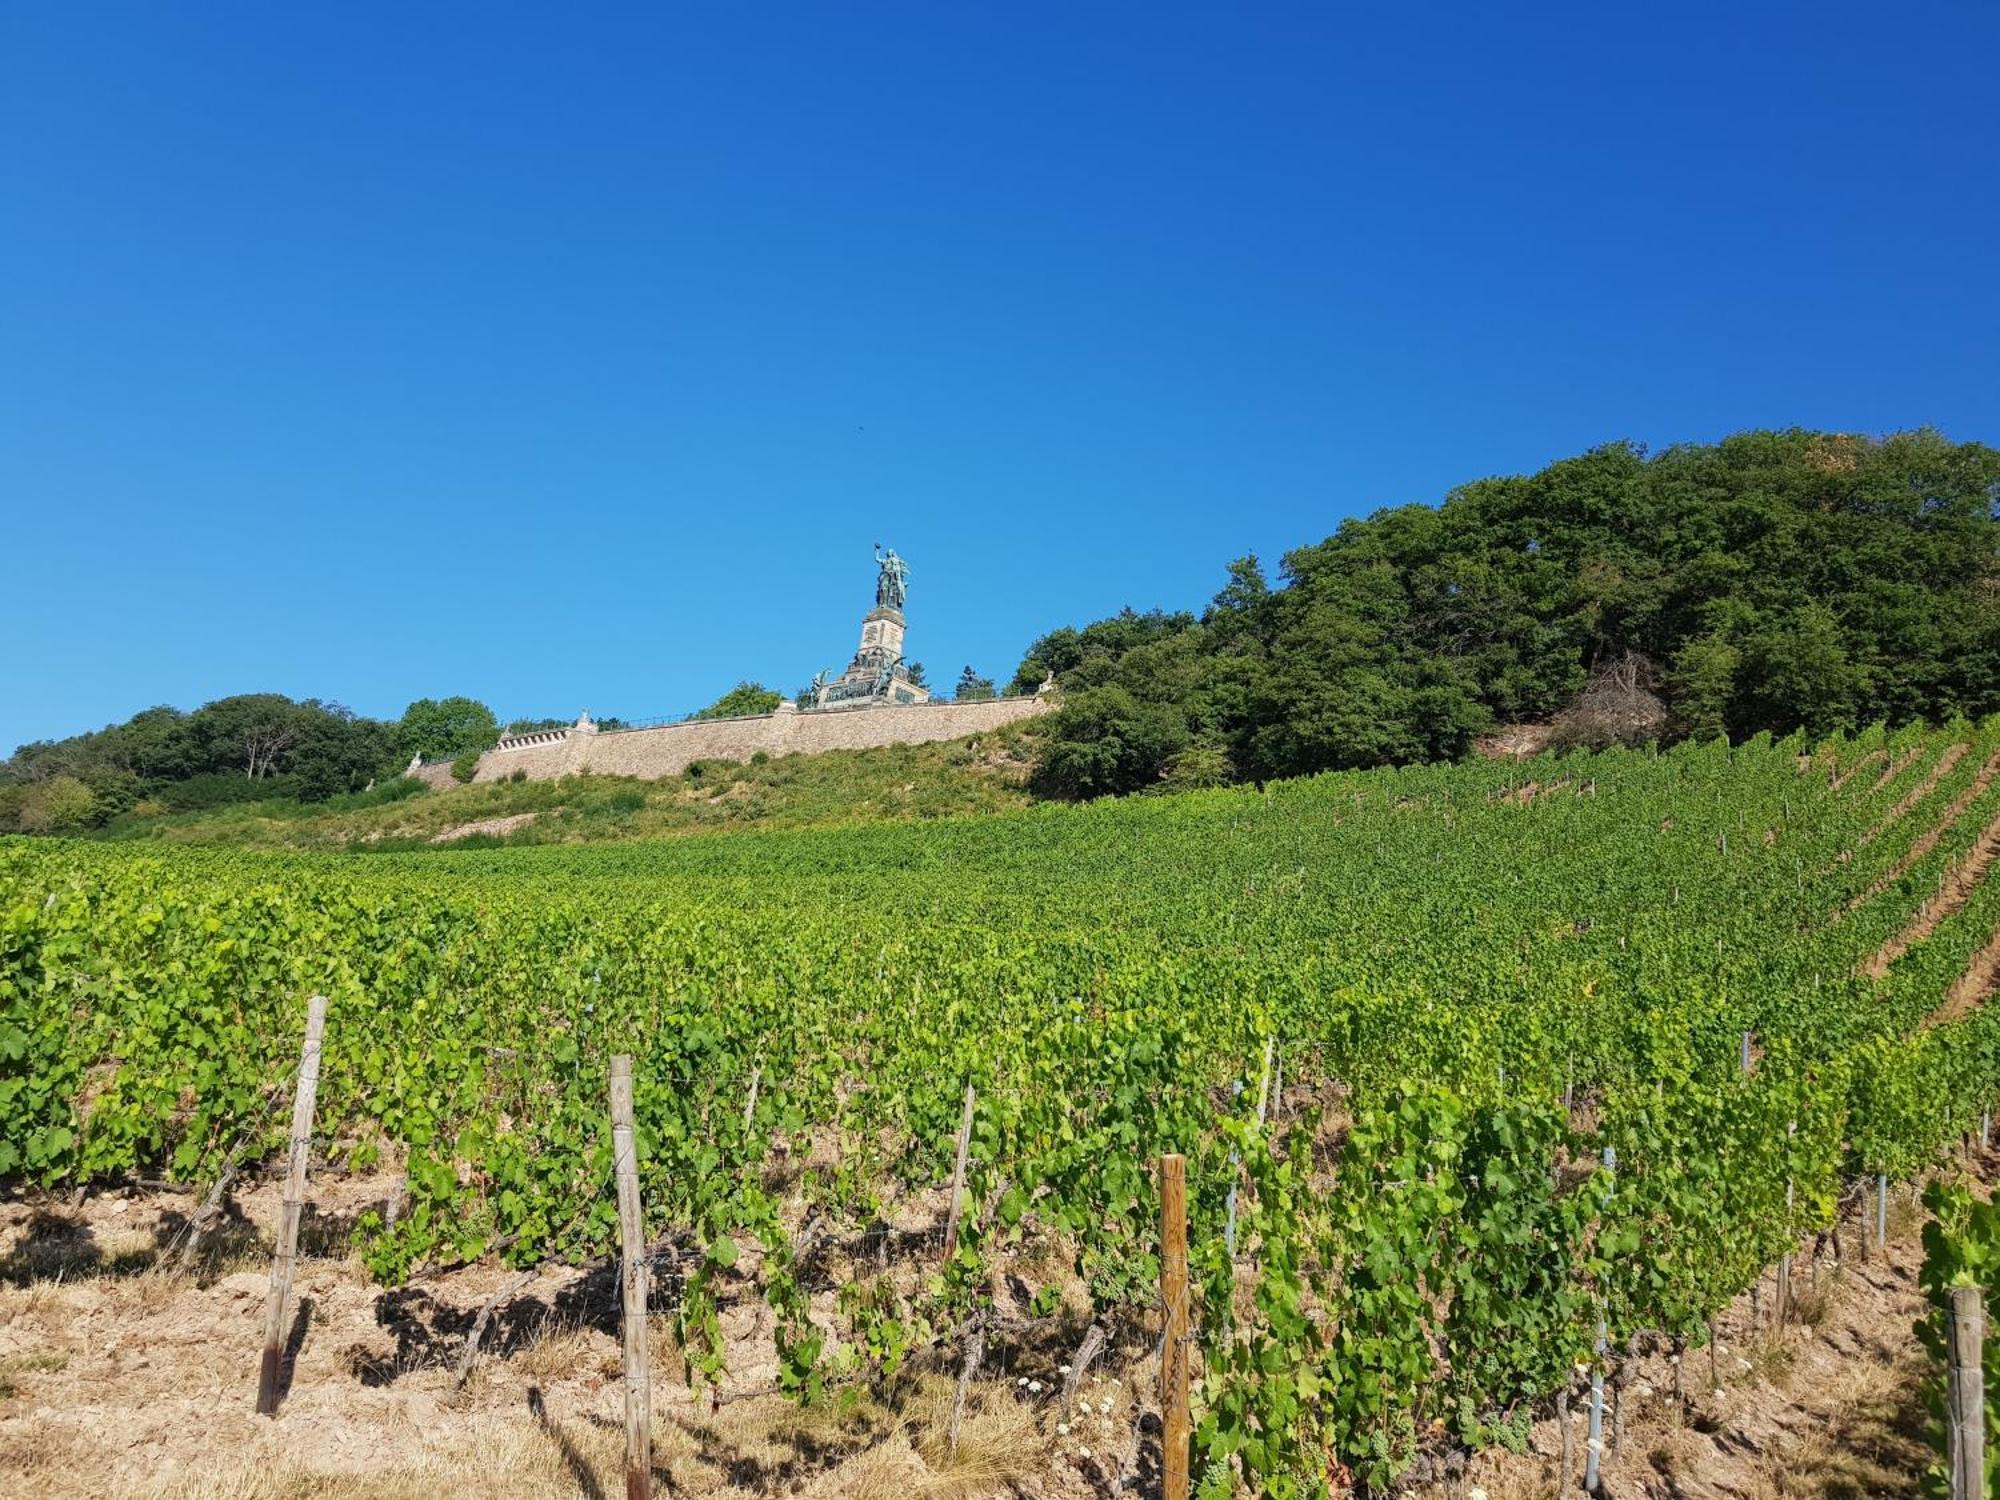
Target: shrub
[[630, 800], [465, 767], [760, 758], [742, 701], [517, 776], [395, 789], [1196, 767], [222, 789]]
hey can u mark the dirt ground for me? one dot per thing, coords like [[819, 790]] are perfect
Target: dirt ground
[[120, 1375]]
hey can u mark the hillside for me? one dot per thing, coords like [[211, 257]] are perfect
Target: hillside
[[1755, 978], [1769, 582], [983, 774]]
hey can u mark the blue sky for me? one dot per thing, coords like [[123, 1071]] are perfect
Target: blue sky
[[572, 356]]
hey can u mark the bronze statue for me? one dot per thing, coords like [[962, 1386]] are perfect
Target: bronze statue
[[892, 584]]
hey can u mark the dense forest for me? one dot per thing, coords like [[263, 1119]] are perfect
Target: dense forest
[[1770, 581]]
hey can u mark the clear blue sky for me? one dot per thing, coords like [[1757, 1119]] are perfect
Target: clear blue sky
[[569, 356]]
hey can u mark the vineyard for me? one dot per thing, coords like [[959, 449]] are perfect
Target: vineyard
[[1484, 1074]]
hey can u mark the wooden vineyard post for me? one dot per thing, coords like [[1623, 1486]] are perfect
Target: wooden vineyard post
[[1174, 1347], [633, 1284], [288, 1222], [1882, 1209], [1965, 1401], [958, 1178]]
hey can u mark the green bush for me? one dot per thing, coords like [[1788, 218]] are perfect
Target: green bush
[[465, 767], [222, 789], [395, 789], [1196, 767]]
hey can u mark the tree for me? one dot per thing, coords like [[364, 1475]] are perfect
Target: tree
[[62, 804], [915, 672], [445, 728], [156, 745], [1783, 580], [972, 688], [1104, 741], [741, 701], [249, 733], [1703, 682], [337, 751]]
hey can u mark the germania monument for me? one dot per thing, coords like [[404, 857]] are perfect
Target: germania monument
[[877, 675], [831, 716]]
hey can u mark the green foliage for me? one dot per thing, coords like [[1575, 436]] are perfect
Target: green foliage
[[1426, 1234], [1777, 580], [445, 728], [252, 747], [1196, 767], [1105, 740], [1961, 1248], [465, 767], [741, 701]]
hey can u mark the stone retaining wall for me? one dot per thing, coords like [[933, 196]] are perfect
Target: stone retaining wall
[[651, 754]]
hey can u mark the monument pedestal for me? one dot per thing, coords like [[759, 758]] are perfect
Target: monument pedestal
[[877, 675]]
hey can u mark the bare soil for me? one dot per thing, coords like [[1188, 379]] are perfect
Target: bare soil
[[119, 1376]]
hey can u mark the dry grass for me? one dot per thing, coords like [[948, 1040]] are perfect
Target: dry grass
[[1812, 1302], [1868, 1447], [36, 1458], [1770, 1355], [997, 1440], [524, 1466], [560, 1351]]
